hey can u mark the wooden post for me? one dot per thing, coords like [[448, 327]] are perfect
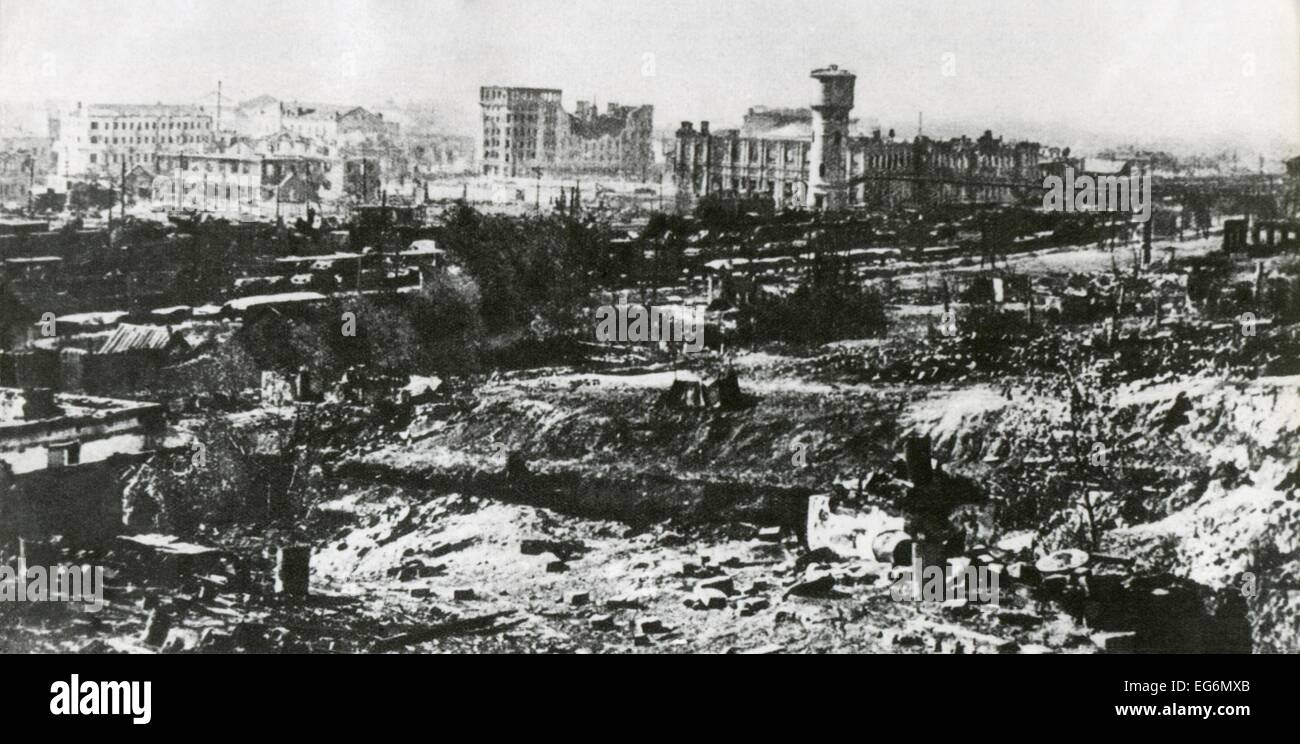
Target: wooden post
[[1029, 300], [31, 183], [1259, 283], [293, 570], [156, 628], [917, 454], [35, 553]]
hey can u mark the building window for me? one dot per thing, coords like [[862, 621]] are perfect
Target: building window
[[64, 454]]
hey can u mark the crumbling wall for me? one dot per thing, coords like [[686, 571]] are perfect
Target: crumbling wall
[[82, 503]]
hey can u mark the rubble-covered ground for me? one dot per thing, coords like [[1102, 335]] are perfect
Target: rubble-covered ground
[[574, 510]]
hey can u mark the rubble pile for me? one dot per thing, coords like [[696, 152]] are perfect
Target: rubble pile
[[1136, 352], [1118, 476]]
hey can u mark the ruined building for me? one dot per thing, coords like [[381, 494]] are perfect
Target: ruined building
[[828, 150], [330, 123], [98, 140], [812, 159], [62, 458], [245, 180], [527, 129], [24, 164]]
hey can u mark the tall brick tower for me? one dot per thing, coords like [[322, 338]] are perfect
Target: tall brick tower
[[828, 155]]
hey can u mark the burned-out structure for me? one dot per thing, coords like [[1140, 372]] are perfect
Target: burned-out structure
[[61, 457], [526, 132], [812, 159]]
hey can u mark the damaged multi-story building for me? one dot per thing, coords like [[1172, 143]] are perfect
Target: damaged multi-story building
[[24, 163], [526, 131], [246, 179], [268, 115], [812, 158], [98, 140]]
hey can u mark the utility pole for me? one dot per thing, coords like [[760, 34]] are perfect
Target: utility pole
[[31, 182], [537, 200], [124, 190]]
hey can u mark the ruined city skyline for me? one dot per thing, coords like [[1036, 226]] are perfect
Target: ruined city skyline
[[614, 327], [997, 66]]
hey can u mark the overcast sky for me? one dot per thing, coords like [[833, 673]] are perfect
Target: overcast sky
[[1194, 70]]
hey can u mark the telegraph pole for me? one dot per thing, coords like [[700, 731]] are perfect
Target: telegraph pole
[[124, 190], [31, 182]]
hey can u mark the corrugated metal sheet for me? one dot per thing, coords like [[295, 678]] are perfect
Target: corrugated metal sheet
[[129, 337]]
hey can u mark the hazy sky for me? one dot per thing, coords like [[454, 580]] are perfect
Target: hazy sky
[[1182, 69]]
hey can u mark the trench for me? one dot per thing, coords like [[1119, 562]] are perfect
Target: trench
[[637, 501]]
